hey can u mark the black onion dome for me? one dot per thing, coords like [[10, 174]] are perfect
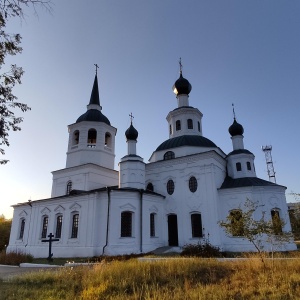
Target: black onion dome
[[93, 115], [236, 129], [131, 133], [186, 140], [182, 86]]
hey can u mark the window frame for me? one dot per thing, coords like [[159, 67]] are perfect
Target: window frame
[[248, 165], [178, 125], [238, 167], [150, 187], [45, 223], [277, 227], [196, 225], [169, 155], [69, 187], [22, 228], [75, 225], [235, 217], [193, 184], [152, 224], [58, 226], [126, 224], [170, 187], [190, 124]]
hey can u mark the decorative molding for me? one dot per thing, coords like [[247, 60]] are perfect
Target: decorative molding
[[59, 209], [127, 206], [153, 208], [45, 211], [23, 214], [75, 206]]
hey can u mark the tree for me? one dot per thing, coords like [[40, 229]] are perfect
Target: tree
[[294, 214], [5, 226], [9, 46], [257, 231]]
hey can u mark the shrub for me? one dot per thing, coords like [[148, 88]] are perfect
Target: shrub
[[14, 258], [202, 249]]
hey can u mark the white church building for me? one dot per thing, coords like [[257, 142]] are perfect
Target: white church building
[[177, 198]]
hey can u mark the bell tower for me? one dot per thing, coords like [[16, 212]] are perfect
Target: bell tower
[[91, 152], [91, 137]]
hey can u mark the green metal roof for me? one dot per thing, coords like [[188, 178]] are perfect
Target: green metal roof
[[186, 140], [239, 151], [230, 183]]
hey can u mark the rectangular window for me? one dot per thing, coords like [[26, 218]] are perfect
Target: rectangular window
[[22, 227], [75, 224], [237, 223], [45, 227], [196, 225], [178, 125], [190, 124], [152, 224], [248, 166], [276, 221], [58, 227], [126, 224], [238, 166]]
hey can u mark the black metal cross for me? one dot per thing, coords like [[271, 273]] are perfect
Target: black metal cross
[[97, 67], [131, 117], [50, 236]]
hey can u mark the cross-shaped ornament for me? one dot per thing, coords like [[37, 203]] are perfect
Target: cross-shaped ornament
[[97, 67], [131, 117]]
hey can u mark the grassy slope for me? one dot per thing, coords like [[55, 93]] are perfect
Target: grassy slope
[[171, 279]]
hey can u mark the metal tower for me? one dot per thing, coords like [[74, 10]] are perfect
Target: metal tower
[[270, 168]]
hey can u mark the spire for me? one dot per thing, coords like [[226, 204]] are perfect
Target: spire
[[95, 99], [180, 67], [233, 111]]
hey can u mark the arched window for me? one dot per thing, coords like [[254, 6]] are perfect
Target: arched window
[[152, 224], [44, 227], [193, 184], [237, 223], [75, 137], [248, 166], [238, 166], [276, 221], [170, 187], [92, 138], [75, 225], [190, 124], [126, 224], [69, 187], [178, 125], [199, 127], [150, 187], [22, 228], [170, 128], [196, 223], [169, 155], [107, 139], [59, 220]]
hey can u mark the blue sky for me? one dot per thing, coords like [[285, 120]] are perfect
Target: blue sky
[[233, 51]]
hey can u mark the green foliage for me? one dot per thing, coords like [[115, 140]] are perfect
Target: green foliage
[[10, 46], [14, 258], [257, 231], [5, 226], [201, 249]]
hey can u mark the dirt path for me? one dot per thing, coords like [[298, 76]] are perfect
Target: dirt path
[[10, 271]]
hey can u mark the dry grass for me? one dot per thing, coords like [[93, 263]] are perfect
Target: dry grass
[[14, 258], [171, 279]]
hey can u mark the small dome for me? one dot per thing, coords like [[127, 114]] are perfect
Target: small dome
[[182, 86], [93, 115], [236, 129], [131, 133]]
